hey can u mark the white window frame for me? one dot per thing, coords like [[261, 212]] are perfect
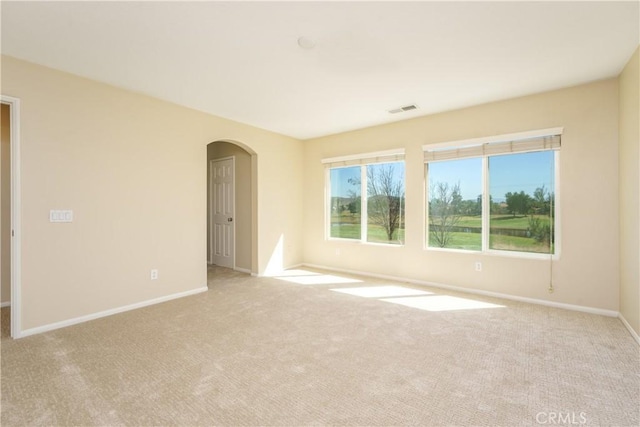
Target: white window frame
[[361, 160], [475, 144]]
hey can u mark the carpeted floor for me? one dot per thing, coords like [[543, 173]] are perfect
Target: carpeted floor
[[296, 351]]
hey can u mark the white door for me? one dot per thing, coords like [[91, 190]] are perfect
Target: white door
[[222, 210]]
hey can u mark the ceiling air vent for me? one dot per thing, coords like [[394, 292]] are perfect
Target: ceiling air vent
[[403, 109]]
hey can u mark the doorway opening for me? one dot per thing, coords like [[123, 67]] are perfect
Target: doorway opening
[[10, 217], [222, 234], [231, 206]]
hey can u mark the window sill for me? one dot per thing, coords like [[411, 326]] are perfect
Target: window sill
[[492, 252], [360, 242]]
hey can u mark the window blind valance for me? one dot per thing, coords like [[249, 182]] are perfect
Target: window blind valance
[[387, 156], [527, 144]]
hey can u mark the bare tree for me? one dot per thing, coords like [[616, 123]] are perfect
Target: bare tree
[[385, 197], [444, 215]]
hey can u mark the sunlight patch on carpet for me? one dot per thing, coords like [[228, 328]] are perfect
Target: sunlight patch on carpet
[[441, 303], [381, 291], [304, 277]]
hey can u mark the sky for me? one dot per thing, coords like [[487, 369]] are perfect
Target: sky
[[468, 172], [521, 172], [508, 173], [340, 185]]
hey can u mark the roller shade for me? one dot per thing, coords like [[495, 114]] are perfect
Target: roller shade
[[364, 159], [540, 143]]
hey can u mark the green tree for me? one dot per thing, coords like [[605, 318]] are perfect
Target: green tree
[[541, 202], [518, 203], [354, 206], [470, 208], [495, 207]]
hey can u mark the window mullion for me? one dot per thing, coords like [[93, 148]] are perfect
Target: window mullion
[[363, 203], [426, 195], [555, 208], [486, 204], [327, 204]]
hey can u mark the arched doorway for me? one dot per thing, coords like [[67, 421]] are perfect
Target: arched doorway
[[232, 234]]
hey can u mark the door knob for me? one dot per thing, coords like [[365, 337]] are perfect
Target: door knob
[[230, 219]]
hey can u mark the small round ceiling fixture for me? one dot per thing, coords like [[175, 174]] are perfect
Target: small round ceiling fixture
[[306, 43]]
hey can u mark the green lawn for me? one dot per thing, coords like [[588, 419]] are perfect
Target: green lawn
[[346, 231], [375, 233], [468, 241], [472, 241], [470, 221], [501, 221], [347, 226]]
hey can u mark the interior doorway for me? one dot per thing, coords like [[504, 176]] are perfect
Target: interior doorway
[[231, 206], [222, 208], [10, 216], [5, 220]]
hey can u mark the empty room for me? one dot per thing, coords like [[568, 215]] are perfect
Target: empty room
[[320, 213]]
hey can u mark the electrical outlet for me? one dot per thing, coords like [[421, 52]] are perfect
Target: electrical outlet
[[338, 252], [154, 274], [478, 266]]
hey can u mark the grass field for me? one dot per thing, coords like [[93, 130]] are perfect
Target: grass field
[[473, 242], [348, 227], [375, 233], [502, 221]]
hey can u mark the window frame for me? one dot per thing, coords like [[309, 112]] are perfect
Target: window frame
[[485, 249], [362, 161]]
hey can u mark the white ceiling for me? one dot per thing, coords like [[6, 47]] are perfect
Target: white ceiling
[[241, 60]]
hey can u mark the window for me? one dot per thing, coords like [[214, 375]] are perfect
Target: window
[[366, 201], [345, 204], [455, 204], [521, 189], [498, 195]]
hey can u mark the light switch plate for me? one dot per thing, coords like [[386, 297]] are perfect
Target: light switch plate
[[56, 215]]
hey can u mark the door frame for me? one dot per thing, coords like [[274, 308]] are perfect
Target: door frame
[[210, 219], [16, 227]]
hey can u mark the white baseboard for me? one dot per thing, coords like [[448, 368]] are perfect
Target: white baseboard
[[5, 304], [592, 310], [278, 272], [93, 316], [295, 266], [633, 333], [239, 269]]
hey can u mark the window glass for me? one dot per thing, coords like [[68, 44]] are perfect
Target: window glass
[[522, 202], [454, 193], [385, 203], [345, 203]]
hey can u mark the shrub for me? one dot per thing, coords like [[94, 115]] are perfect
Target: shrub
[[539, 231]]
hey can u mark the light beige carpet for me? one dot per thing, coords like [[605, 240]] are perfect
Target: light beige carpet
[[268, 351]]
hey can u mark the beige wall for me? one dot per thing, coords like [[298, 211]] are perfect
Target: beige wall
[[630, 192], [133, 170], [243, 205], [587, 273], [5, 214]]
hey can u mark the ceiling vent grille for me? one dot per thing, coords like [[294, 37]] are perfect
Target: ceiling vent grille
[[403, 109]]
